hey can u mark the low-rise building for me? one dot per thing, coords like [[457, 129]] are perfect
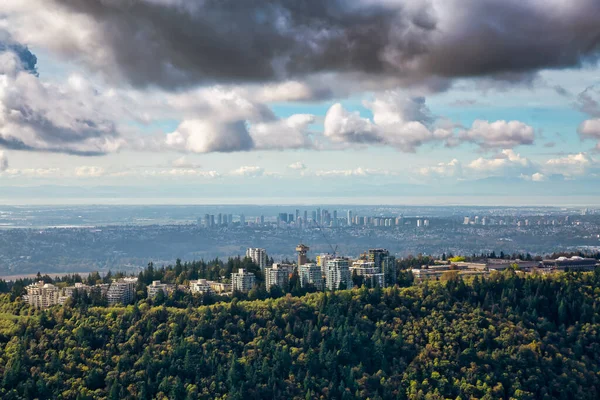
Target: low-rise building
[[155, 288], [572, 264], [200, 286], [219, 287]]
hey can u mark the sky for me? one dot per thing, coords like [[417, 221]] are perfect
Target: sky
[[296, 101]]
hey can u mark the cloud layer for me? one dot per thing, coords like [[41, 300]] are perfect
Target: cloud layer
[[44, 117], [173, 43]]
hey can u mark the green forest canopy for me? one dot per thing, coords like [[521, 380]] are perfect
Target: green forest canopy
[[511, 337]]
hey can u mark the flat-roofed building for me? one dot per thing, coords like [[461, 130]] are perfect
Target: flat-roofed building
[[219, 287], [200, 286], [311, 274], [371, 274], [258, 256], [389, 269], [43, 295], [242, 280], [278, 275], [572, 264], [155, 288], [121, 291], [337, 274]]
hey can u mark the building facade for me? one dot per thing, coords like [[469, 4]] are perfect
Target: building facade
[[277, 276], [311, 274], [371, 274], [337, 274], [258, 256], [242, 280], [121, 291], [389, 269], [155, 288], [43, 295]]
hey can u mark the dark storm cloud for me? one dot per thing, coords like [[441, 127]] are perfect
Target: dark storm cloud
[[172, 43]]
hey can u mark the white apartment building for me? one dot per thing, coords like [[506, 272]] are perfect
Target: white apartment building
[[337, 272], [155, 288], [242, 281], [200, 286], [43, 295], [311, 274], [278, 275], [258, 256], [121, 291]]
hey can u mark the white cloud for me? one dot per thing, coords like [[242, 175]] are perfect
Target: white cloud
[[183, 162], [360, 171], [87, 171], [590, 129], [571, 164], [498, 134], [34, 172], [399, 121], [248, 171], [443, 170], [536, 177], [41, 116], [298, 165], [502, 163], [202, 136], [288, 133]]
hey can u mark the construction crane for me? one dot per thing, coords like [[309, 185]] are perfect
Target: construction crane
[[334, 250]]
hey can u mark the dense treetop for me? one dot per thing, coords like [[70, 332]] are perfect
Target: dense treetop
[[509, 336]]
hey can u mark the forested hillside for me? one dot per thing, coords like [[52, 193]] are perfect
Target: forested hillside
[[535, 337]]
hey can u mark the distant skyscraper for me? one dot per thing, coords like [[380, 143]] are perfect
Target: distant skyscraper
[[305, 216], [220, 219], [230, 218], [466, 221], [314, 216], [297, 215], [349, 217], [335, 219], [283, 217], [206, 220], [212, 220], [262, 219], [318, 215], [290, 218]]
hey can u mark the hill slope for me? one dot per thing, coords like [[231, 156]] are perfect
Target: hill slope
[[507, 337]]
